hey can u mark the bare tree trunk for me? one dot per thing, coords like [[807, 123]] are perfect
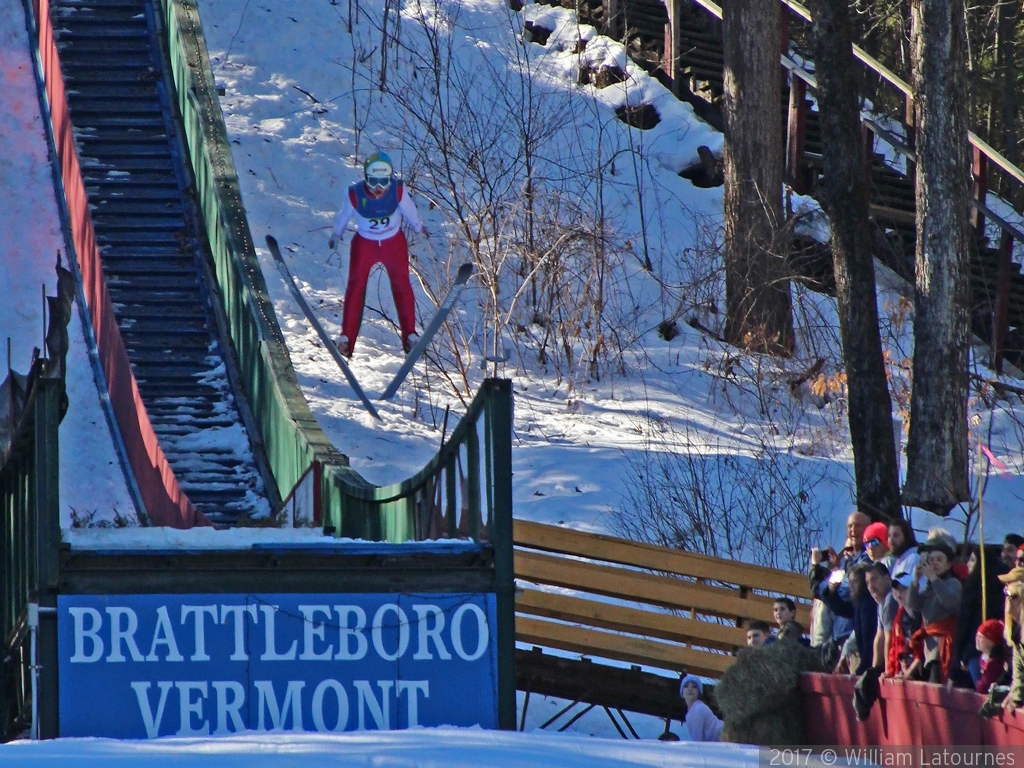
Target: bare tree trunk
[[937, 446], [846, 200], [758, 308], [1006, 72]]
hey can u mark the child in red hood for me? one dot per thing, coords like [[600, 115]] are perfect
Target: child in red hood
[[992, 645]]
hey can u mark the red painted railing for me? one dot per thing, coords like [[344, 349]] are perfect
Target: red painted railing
[[905, 714], [165, 502]]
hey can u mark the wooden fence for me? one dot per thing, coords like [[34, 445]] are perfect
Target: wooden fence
[[672, 610], [907, 713]]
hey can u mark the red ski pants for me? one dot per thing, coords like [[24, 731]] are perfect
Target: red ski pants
[[393, 253]]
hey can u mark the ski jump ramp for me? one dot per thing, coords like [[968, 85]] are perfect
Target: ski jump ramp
[[186, 332]]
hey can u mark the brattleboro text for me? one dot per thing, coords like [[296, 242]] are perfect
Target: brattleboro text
[[176, 665]]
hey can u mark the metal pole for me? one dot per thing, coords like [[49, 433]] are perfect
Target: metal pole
[[501, 536], [33, 625]]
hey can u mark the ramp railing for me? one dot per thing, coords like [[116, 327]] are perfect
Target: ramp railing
[[292, 440], [465, 490], [29, 539]]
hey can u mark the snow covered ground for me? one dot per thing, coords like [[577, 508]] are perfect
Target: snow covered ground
[[416, 748], [30, 230], [295, 157], [305, 106]]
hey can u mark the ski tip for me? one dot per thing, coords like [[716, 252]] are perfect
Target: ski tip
[[465, 271], [271, 241]]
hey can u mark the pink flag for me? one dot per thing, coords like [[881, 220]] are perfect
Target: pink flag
[[1003, 469]]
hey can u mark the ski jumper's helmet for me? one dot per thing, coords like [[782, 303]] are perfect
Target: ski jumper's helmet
[[377, 171]]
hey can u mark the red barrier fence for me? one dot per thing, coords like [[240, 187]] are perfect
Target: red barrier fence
[[165, 502], [907, 713]]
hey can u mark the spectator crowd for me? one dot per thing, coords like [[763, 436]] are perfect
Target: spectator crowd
[[888, 607]]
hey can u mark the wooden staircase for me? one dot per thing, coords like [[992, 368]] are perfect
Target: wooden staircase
[[686, 54]]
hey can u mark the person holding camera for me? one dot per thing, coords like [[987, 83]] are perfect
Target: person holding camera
[[901, 662], [934, 595], [830, 583]]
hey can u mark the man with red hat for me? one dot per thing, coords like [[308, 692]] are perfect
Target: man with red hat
[[876, 544]]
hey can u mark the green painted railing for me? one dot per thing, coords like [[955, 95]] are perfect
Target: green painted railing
[[465, 490], [291, 439], [30, 530]]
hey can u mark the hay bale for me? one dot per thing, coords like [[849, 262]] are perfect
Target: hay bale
[[759, 695]]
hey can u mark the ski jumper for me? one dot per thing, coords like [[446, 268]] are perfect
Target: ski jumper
[[379, 239]]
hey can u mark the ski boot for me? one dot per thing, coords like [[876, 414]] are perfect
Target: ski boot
[[343, 345]]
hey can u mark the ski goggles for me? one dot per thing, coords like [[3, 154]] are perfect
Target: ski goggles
[[872, 543], [378, 182]]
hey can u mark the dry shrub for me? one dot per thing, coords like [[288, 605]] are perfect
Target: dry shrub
[[759, 695]]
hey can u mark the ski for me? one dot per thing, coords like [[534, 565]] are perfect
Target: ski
[[428, 333], [286, 273]]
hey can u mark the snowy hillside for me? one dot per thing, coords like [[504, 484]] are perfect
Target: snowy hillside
[[304, 106], [308, 102]]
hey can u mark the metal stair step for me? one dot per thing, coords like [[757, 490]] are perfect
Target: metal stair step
[[82, 108], [79, 75], [138, 238], [108, 222], [113, 26], [175, 392], [131, 207], [138, 266], [133, 187], [123, 60], [121, 121], [109, 150], [132, 89], [80, 4], [82, 20], [165, 300], [172, 374]]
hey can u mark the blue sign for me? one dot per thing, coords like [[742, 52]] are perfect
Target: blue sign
[[142, 666]]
